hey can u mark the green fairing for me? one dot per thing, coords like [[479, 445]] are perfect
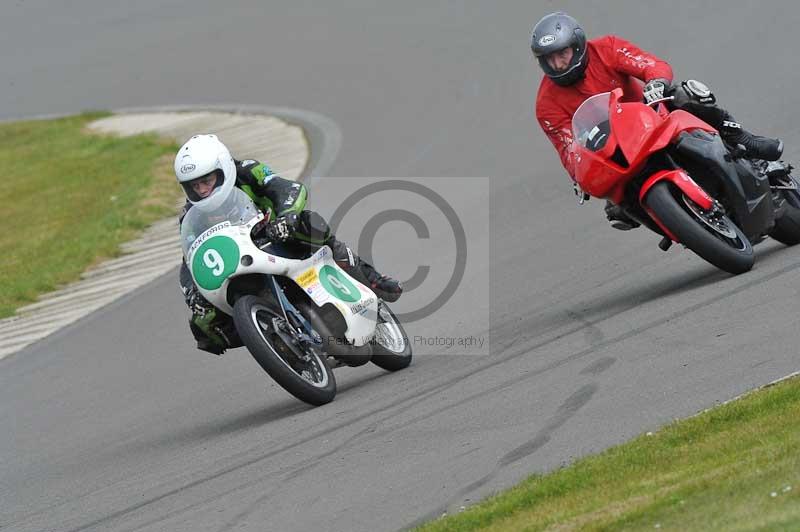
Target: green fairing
[[299, 204], [338, 285], [214, 261]]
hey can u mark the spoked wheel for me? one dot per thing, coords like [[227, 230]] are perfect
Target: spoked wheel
[[299, 367], [709, 233], [391, 349]]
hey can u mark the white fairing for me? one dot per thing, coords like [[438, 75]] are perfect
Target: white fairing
[[214, 244], [326, 282]]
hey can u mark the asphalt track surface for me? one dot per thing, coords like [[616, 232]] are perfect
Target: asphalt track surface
[[117, 423]]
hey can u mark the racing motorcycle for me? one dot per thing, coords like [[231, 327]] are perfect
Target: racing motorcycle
[[297, 312], [672, 172]]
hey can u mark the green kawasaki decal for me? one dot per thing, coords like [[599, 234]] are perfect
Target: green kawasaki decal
[[216, 259], [338, 285]]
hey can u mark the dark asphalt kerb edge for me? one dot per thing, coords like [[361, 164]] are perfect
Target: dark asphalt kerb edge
[[324, 140]]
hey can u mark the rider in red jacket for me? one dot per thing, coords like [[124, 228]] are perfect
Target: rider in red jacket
[[576, 69]]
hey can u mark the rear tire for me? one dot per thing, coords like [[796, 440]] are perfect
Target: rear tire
[[729, 249], [787, 227], [255, 322], [390, 349]]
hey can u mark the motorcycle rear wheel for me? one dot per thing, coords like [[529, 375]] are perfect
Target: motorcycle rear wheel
[[302, 371], [787, 227], [714, 238]]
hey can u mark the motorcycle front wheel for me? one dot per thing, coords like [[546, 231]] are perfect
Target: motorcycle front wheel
[[391, 349], [300, 369], [710, 234]]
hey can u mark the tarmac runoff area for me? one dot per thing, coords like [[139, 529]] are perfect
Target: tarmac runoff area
[[254, 136]]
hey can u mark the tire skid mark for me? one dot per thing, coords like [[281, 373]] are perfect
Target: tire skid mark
[[527, 349], [523, 350], [601, 365], [285, 469], [591, 332], [564, 413], [288, 472], [402, 403], [432, 390], [598, 366], [618, 303]]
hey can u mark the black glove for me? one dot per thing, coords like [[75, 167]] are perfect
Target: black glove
[[282, 228], [656, 89]]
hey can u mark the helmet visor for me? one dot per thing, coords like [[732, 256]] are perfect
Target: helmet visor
[[202, 187], [560, 62]]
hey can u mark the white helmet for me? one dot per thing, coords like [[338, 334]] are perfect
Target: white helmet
[[201, 156]]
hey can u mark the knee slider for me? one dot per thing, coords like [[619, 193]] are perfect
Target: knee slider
[[692, 91]]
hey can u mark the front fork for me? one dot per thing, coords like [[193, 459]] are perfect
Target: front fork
[[687, 186], [297, 325], [582, 196]]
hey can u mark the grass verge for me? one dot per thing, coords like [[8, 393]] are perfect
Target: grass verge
[[735, 467], [74, 197]]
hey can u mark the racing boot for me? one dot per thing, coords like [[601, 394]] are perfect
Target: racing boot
[[384, 286], [212, 343], [618, 219], [756, 147]]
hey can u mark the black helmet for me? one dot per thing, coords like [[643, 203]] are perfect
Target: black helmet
[[554, 32]]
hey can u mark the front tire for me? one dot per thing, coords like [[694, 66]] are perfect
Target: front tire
[[391, 349], [303, 372], [714, 238]]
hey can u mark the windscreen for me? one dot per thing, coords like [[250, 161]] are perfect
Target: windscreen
[[237, 209], [590, 123]]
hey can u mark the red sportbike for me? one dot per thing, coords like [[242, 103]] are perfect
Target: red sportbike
[[671, 172]]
